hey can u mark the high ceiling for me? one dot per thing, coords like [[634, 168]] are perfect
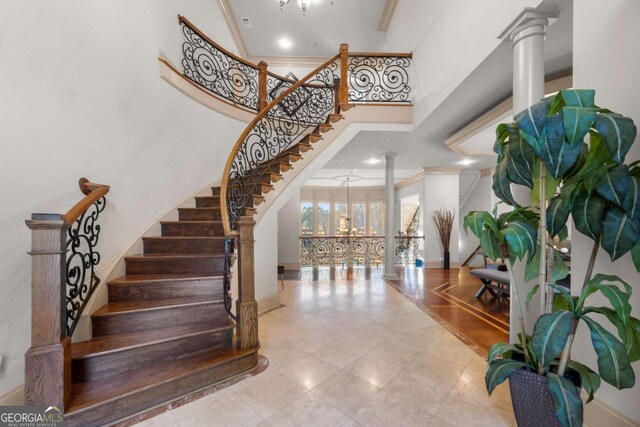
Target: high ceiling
[[357, 177], [352, 21], [488, 85]]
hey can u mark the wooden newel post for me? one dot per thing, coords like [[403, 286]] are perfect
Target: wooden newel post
[[246, 305], [344, 81], [262, 86], [48, 361]]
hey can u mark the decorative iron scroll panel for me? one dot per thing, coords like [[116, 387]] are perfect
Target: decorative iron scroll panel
[[81, 260], [218, 72], [379, 79], [282, 127], [358, 250]]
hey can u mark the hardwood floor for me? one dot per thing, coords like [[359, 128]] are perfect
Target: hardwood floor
[[446, 295]]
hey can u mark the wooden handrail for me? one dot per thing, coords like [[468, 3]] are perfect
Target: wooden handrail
[[382, 54], [183, 20], [93, 192], [225, 177]]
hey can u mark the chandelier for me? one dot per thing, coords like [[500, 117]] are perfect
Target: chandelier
[[304, 4]]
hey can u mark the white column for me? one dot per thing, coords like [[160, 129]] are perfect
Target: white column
[[389, 218], [527, 34]]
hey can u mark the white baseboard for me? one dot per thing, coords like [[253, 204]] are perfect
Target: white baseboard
[[268, 303], [13, 398], [597, 413]]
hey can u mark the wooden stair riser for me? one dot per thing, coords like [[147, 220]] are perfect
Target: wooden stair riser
[[183, 245], [137, 358], [289, 157], [208, 202], [215, 191], [166, 289], [193, 229], [199, 214], [148, 320], [126, 405], [202, 265]]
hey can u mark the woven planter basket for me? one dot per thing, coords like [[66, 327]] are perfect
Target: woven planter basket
[[531, 400]]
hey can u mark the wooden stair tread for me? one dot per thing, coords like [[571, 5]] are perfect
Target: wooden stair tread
[[191, 222], [171, 255], [199, 238], [113, 308], [93, 393], [106, 344], [151, 278]]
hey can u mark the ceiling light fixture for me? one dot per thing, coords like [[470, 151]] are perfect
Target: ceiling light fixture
[[373, 161], [465, 162], [304, 4], [285, 43]]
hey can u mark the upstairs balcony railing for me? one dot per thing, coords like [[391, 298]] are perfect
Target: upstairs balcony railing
[[354, 250]]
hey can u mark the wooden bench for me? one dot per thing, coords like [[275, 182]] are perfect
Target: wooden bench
[[495, 282]]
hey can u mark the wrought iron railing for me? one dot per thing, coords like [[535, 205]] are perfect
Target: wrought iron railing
[[349, 250], [218, 70], [287, 119], [81, 256], [379, 78]]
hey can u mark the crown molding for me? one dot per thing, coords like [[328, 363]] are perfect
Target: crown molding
[[230, 19], [486, 172], [387, 15], [284, 61], [500, 112], [408, 181]]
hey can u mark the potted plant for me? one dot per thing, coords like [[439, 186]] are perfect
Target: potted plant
[[444, 223], [545, 150]]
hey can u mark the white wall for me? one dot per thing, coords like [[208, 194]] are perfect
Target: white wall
[[448, 39], [440, 192], [289, 232], [266, 259], [605, 59], [81, 96], [479, 199], [409, 190]]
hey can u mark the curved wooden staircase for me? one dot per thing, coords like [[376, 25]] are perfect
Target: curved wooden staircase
[[165, 330]]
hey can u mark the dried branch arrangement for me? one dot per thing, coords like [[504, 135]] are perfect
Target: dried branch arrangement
[[444, 223]]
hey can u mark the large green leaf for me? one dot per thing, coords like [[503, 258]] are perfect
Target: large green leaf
[[589, 379], [531, 120], [563, 294], [521, 239], [501, 186], [559, 270], [550, 335], [579, 163], [577, 122], [587, 214], [501, 349], [618, 133], [613, 364], [474, 221], [532, 267], [490, 244], [520, 162], [502, 133], [531, 294], [578, 97], [619, 233], [614, 185], [566, 400], [618, 298], [635, 255], [557, 215], [631, 203], [628, 334], [558, 155], [498, 372]]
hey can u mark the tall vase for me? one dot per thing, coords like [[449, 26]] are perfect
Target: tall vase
[[446, 260]]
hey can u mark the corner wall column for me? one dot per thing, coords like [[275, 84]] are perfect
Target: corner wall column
[[527, 34], [389, 218]]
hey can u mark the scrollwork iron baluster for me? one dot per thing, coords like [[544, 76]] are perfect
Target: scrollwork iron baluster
[[82, 258], [379, 79]]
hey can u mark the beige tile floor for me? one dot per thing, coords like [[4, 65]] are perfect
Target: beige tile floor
[[353, 354]]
